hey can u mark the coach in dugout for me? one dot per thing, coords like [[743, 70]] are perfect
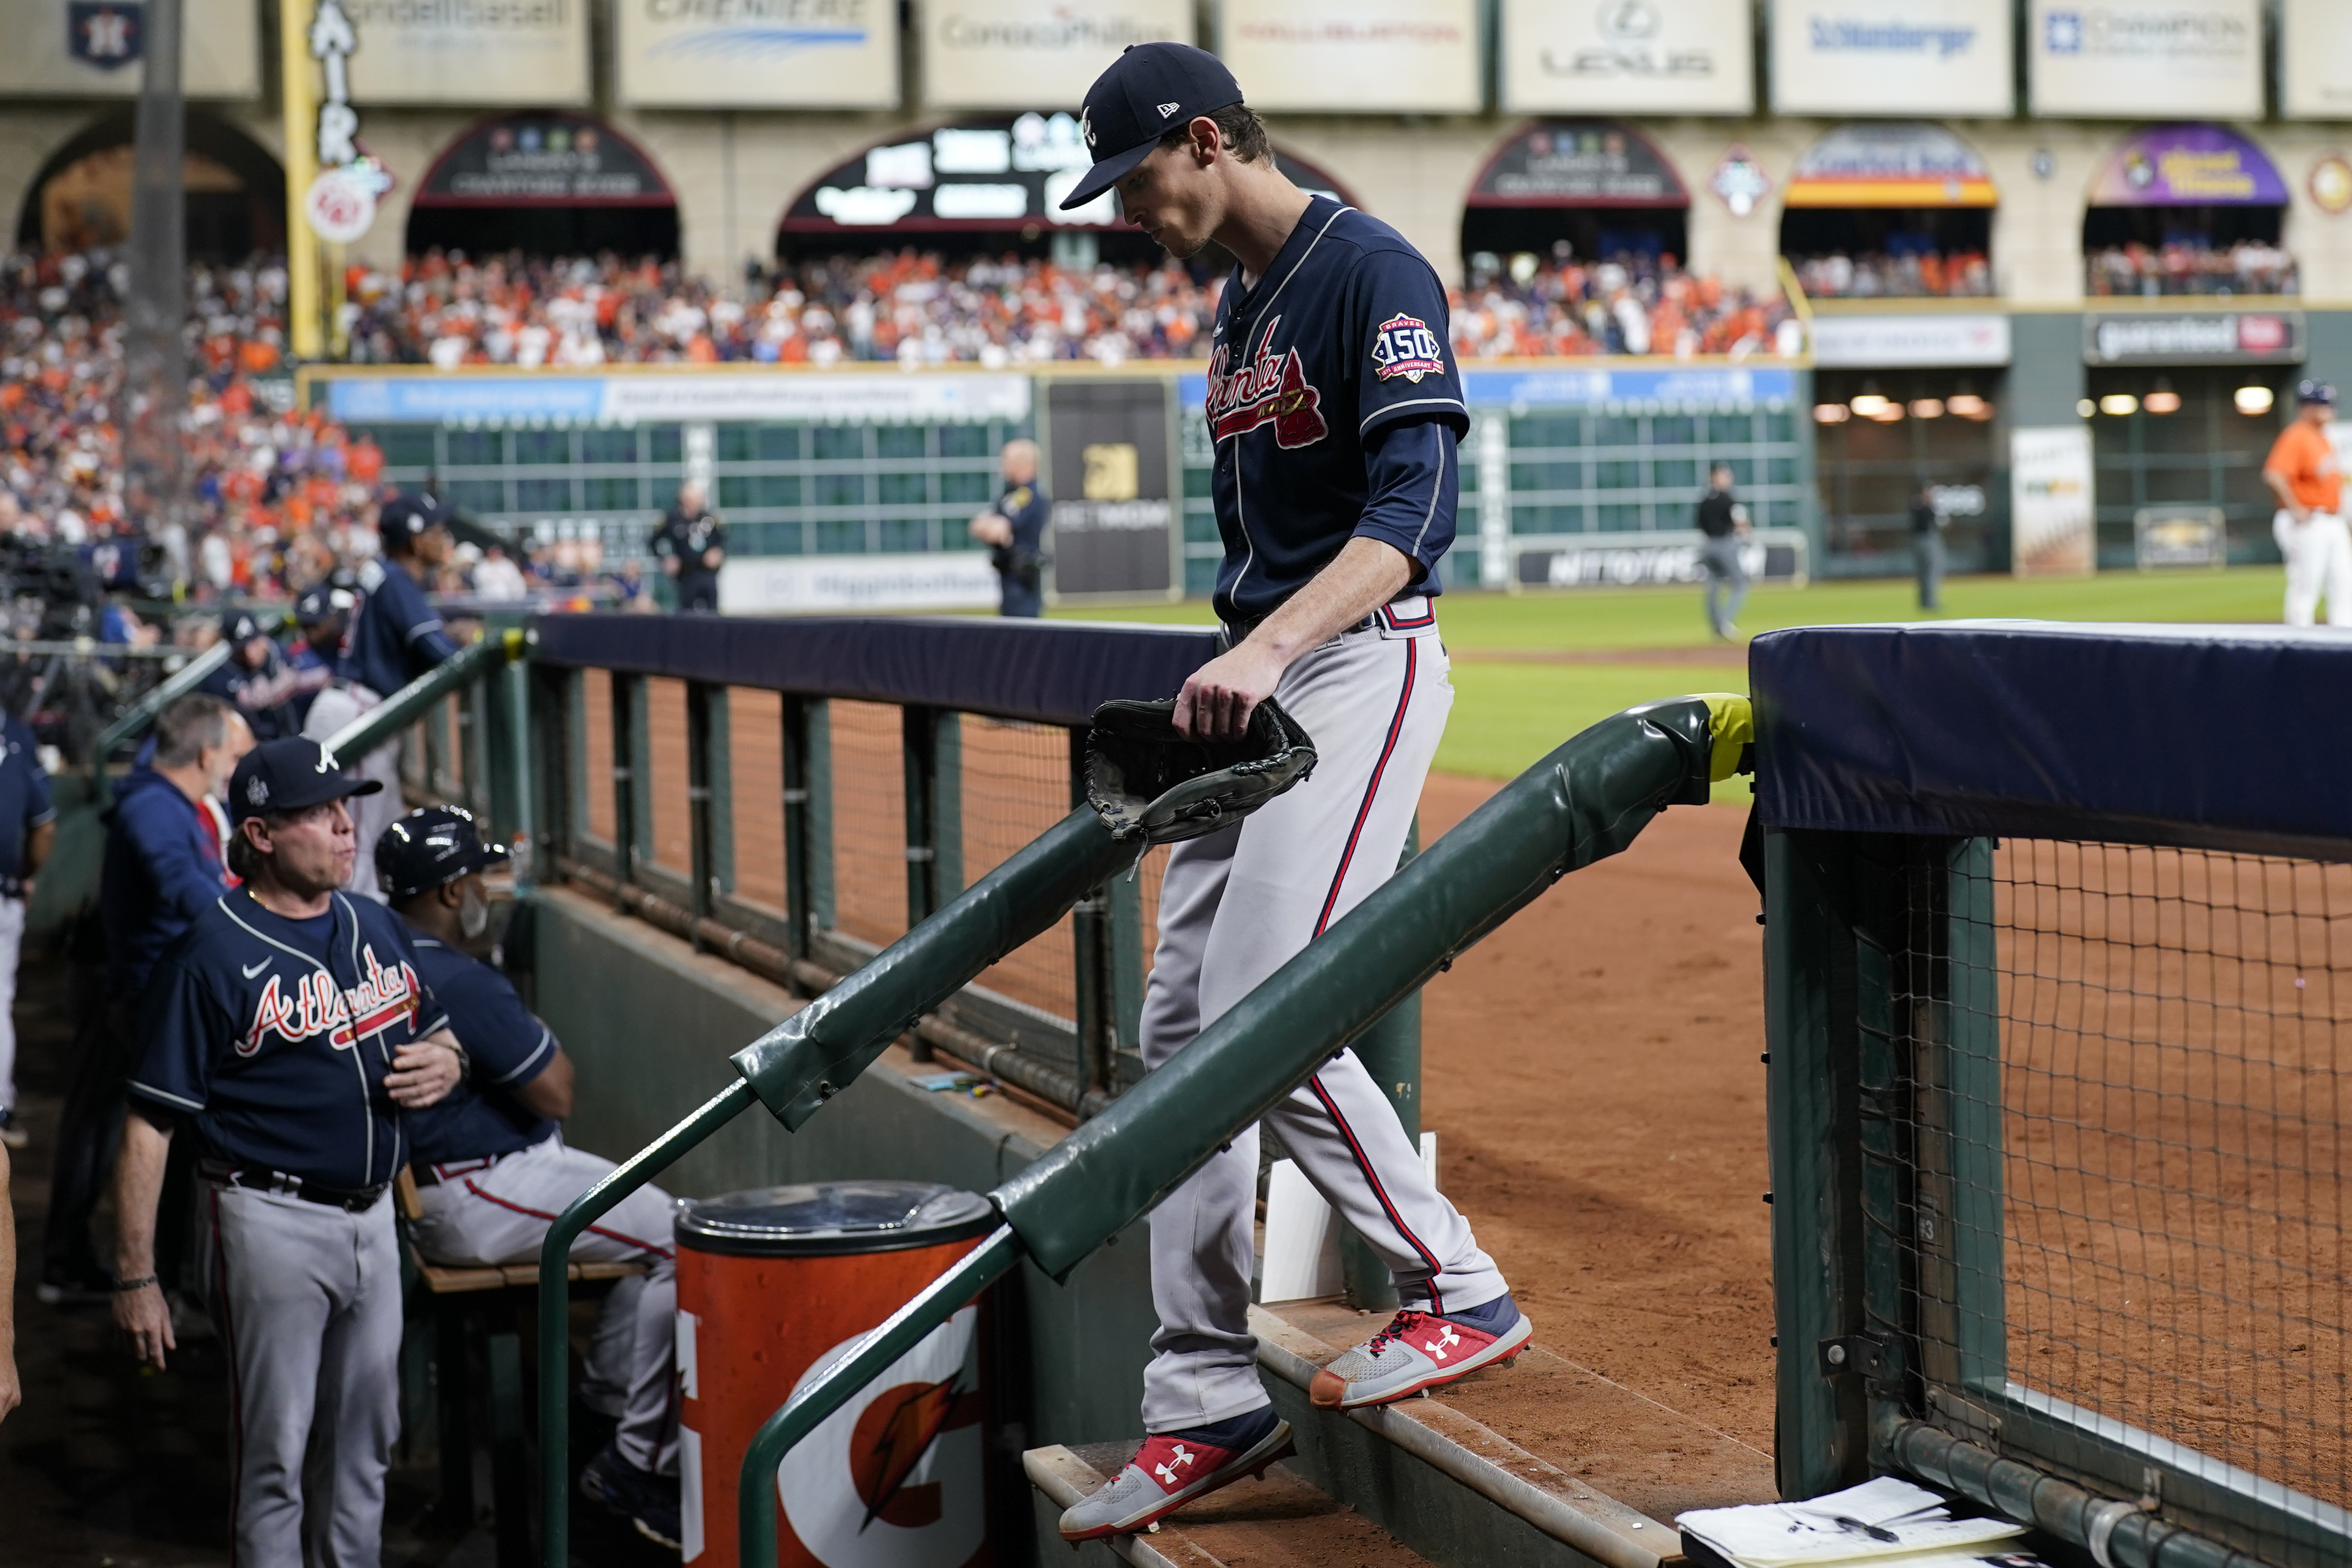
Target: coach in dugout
[[164, 865], [286, 1031], [2303, 473], [492, 1169]]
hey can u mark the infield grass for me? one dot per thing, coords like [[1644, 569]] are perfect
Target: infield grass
[[1513, 705]]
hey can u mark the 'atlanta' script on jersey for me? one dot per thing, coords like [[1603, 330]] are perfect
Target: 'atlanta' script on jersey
[[319, 1006], [1273, 387]]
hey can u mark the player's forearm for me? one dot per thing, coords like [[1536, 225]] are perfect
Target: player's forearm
[[1366, 574], [2282, 489], [137, 1184]]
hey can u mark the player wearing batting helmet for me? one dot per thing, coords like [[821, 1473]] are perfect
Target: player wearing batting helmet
[[492, 1169], [286, 1031], [1335, 407]]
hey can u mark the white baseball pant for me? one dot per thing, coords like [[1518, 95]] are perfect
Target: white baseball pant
[[1235, 906], [307, 1298], [331, 710], [2319, 563], [499, 1214], [12, 942]]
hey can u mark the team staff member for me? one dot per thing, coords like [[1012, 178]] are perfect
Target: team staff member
[[321, 616], [2302, 472], [1723, 523], [286, 1031], [29, 825], [692, 545], [1335, 407], [492, 1169], [164, 865], [395, 637], [254, 678], [1015, 533]]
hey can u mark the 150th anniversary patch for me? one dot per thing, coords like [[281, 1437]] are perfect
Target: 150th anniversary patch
[[1404, 346]]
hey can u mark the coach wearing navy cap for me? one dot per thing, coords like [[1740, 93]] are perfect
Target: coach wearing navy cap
[[286, 1031], [254, 678]]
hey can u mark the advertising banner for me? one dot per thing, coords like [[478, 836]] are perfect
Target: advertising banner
[[1112, 508], [1900, 342], [2195, 337], [2187, 166], [542, 161], [1645, 560], [1355, 56], [2120, 59], [1641, 57], [802, 584], [471, 52], [1025, 54], [2050, 500], [1899, 57], [1579, 163], [1699, 390], [2316, 59], [91, 48], [821, 397], [1891, 165], [758, 53]]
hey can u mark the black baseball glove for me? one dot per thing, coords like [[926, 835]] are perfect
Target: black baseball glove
[[1148, 781]]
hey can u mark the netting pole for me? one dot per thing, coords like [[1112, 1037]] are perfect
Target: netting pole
[[155, 370], [799, 919], [628, 706], [1979, 1286], [709, 822]]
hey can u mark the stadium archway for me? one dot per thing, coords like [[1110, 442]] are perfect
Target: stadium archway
[[2186, 209], [984, 186], [545, 183], [1890, 210], [1597, 187], [81, 199]]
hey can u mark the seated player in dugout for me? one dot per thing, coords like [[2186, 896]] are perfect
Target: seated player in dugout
[[492, 1170], [1335, 408]]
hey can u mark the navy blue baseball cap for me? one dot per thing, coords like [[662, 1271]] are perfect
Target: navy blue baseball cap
[[1148, 92], [408, 514], [430, 846], [315, 606], [2320, 392], [291, 775], [238, 627]]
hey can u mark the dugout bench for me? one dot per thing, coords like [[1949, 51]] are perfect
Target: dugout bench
[[478, 1316]]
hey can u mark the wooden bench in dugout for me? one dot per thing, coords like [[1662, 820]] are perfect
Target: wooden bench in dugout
[[479, 1316]]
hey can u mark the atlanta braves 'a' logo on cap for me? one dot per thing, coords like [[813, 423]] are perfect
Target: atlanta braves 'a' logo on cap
[[1085, 124]]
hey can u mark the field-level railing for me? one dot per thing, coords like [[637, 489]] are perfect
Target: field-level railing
[[2059, 1010], [1588, 799]]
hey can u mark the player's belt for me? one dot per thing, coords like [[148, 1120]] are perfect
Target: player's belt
[[433, 1176], [261, 1178], [1407, 613]]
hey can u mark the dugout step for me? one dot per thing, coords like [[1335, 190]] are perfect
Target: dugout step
[[1282, 1519]]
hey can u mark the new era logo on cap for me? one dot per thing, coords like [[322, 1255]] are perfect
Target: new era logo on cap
[[1167, 110], [1173, 81]]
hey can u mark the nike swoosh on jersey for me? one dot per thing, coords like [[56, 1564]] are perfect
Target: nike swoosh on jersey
[[259, 968]]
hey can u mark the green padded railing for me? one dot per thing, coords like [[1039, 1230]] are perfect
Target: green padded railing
[[1584, 802], [411, 702], [804, 1062]]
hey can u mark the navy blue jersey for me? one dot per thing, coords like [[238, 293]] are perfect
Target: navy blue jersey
[[508, 1046], [258, 694], [1334, 406], [396, 635], [163, 868], [24, 797], [273, 1037]]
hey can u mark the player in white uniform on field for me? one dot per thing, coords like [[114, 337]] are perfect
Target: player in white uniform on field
[[1336, 408]]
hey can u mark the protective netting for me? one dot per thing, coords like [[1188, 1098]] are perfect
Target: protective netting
[[1016, 784], [2129, 1070], [869, 822]]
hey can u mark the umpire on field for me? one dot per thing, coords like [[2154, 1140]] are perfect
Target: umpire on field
[[492, 1169], [287, 1030]]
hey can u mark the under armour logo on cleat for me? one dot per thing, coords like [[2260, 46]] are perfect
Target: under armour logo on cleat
[[1446, 1339]]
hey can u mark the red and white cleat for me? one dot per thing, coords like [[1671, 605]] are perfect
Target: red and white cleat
[[1167, 1473], [1419, 1351]]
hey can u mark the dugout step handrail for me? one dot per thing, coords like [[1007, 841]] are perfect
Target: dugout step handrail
[[1587, 800], [822, 1049], [403, 707]]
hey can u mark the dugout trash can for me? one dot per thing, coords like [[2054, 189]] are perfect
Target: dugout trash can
[[774, 1285]]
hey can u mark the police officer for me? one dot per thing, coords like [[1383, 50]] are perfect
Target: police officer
[[491, 1165], [164, 865], [692, 545], [1015, 533], [253, 678], [28, 823], [286, 1031]]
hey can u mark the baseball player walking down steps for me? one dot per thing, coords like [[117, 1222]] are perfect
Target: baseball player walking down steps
[[492, 1170], [1336, 408], [286, 1031]]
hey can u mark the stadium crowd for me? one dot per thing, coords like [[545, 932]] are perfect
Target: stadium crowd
[[2191, 266], [1631, 304], [1910, 274]]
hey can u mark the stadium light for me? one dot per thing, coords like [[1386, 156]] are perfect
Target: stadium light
[[1870, 405], [1927, 408], [2252, 402], [1831, 413], [2120, 403], [1968, 405], [2163, 400], [2085, 408]]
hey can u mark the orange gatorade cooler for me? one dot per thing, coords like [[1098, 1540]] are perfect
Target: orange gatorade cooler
[[777, 1284]]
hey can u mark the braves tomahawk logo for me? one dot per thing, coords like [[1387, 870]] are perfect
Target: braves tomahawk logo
[[318, 1005], [1272, 387]]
